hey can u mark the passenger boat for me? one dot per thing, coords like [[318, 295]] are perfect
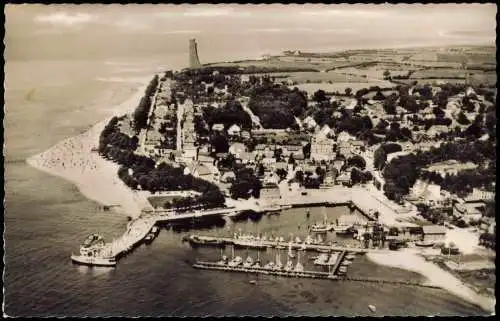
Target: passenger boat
[[223, 260], [93, 253], [350, 256], [322, 227], [346, 263], [195, 240], [424, 243], [333, 259], [321, 259], [249, 241], [257, 262], [248, 262], [290, 253], [149, 238], [343, 229], [235, 262], [278, 265], [288, 266]]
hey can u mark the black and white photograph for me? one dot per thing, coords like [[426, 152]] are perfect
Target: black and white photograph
[[271, 160]]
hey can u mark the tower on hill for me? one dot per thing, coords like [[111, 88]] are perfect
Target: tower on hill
[[194, 61]]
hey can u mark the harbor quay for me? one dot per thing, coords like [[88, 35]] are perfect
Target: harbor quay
[[139, 228], [213, 240]]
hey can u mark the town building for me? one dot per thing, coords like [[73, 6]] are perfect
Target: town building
[[449, 167], [433, 233], [322, 149], [468, 211], [344, 179], [270, 193]]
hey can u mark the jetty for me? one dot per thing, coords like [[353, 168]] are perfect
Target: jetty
[[301, 274], [216, 240]]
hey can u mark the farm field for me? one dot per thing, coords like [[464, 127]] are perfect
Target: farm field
[[439, 73], [278, 64], [341, 86]]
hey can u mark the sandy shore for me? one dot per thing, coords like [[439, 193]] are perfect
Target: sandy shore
[[94, 176], [409, 260]]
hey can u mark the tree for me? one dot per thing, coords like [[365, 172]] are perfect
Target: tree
[[220, 143], [348, 91], [462, 119], [282, 173], [387, 75], [357, 161], [390, 104], [306, 150], [261, 170], [319, 96], [299, 176]]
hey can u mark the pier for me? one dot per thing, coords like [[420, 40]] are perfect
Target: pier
[[212, 240], [301, 274]]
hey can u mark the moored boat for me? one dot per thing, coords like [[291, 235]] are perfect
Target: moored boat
[[235, 262], [322, 259], [94, 253], [424, 243], [248, 262], [94, 260], [195, 240]]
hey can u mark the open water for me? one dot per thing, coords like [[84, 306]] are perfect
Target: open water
[[46, 219]]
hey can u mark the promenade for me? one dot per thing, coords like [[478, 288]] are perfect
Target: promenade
[[365, 200]]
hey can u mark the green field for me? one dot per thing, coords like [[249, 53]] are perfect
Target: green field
[[159, 201], [341, 86]]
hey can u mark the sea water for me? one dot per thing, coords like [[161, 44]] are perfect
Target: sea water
[[46, 219]]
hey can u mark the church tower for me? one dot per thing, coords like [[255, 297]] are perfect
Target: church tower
[[194, 61]]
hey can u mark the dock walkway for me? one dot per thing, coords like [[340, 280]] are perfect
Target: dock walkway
[[301, 274], [295, 246]]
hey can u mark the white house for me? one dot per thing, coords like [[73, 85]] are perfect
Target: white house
[[234, 130], [344, 137], [218, 127], [237, 148]]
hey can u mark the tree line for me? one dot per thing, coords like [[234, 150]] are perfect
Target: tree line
[[142, 110]]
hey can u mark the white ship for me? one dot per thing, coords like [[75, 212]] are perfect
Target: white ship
[[248, 241], [322, 259], [322, 227], [248, 263], [236, 261], [94, 253]]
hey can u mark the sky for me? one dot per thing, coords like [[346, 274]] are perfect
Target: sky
[[111, 29]]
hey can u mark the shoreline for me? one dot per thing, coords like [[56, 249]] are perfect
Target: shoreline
[[95, 177], [411, 261]]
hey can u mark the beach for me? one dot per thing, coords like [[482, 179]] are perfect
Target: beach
[[95, 177], [409, 260]]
